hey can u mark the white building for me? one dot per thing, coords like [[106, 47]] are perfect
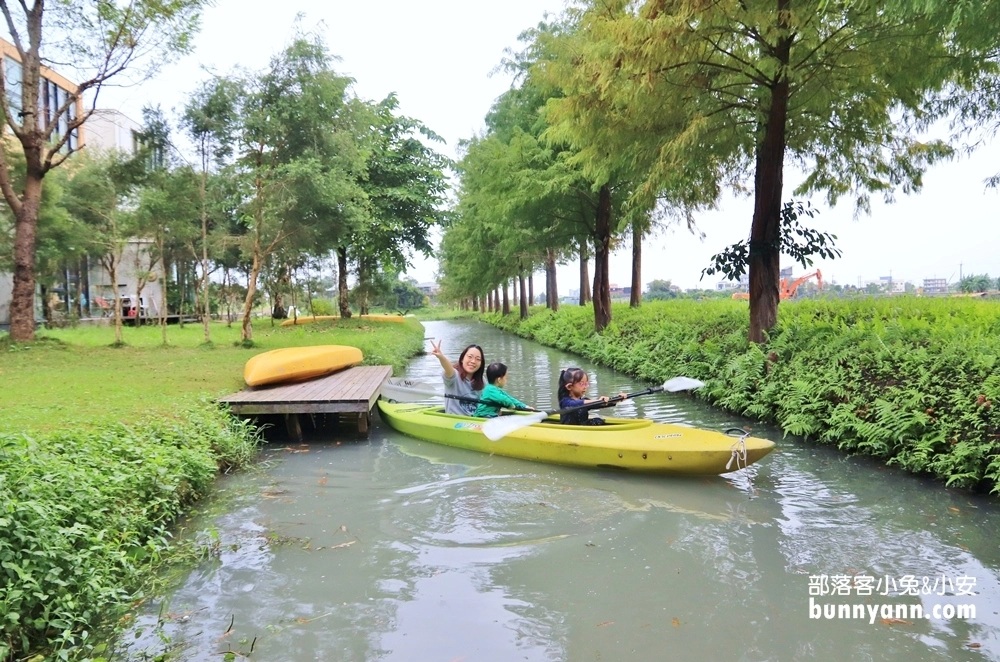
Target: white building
[[109, 129]]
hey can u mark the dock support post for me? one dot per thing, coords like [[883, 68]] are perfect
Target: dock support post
[[293, 426]]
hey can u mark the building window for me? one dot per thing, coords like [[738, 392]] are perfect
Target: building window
[[12, 71], [50, 98], [154, 153]]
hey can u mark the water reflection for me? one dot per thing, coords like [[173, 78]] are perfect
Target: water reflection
[[398, 549]]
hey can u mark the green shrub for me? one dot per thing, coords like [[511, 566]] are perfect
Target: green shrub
[[320, 307], [912, 381], [85, 514]]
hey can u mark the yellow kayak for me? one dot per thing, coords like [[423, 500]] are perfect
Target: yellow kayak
[[639, 445], [309, 319], [293, 364]]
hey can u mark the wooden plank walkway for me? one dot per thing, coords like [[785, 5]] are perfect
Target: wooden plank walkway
[[354, 390]]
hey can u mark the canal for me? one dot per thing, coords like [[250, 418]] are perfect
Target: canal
[[396, 549]]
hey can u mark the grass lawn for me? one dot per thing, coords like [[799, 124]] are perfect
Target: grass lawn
[[74, 377]]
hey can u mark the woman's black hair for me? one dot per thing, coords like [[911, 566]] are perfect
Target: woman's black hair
[[566, 378], [477, 377]]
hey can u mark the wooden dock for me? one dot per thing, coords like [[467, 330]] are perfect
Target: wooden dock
[[348, 392]]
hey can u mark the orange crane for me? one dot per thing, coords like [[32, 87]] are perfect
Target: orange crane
[[788, 287]]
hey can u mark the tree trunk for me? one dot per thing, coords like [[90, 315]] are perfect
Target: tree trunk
[[506, 300], [204, 257], [227, 283], [524, 300], [46, 305], [22, 302], [636, 296], [584, 274], [163, 293], [765, 233], [602, 250], [342, 300], [182, 291], [531, 289], [116, 305], [246, 334], [361, 291], [551, 284], [85, 279]]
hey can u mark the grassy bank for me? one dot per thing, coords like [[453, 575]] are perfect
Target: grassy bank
[[101, 448], [911, 381], [73, 378]]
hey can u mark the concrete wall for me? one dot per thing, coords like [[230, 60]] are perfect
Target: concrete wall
[[6, 286], [109, 129]]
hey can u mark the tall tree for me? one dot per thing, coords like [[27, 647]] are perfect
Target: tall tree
[[600, 186], [405, 186], [102, 40], [298, 157], [210, 120], [702, 94]]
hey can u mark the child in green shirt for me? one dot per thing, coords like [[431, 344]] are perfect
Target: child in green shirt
[[494, 397]]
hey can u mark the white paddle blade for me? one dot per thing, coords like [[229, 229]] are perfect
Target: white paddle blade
[[682, 384], [406, 390], [499, 427]]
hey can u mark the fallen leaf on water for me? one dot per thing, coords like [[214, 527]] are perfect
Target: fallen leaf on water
[[605, 624], [954, 509], [323, 480], [343, 544], [676, 622], [974, 644], [895, 621]]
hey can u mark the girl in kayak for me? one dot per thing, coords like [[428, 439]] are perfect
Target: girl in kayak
[[573, 383], [464, 378], [494, 397]]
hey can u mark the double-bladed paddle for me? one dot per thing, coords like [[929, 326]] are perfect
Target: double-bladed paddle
[[497, 428], [407, 390]]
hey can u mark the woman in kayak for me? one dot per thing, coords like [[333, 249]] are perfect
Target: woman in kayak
[[573, 383], [464, 378]]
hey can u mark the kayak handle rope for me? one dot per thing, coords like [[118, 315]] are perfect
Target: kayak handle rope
[[738, 449]]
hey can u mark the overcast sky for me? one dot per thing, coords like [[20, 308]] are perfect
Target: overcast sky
[[438, 56]]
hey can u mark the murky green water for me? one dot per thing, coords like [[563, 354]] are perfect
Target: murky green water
[[397, 549]]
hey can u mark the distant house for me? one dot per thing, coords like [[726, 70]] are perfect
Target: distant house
[[892, 286], [619, 292], [935, 286], [429, 288], [112, 130]]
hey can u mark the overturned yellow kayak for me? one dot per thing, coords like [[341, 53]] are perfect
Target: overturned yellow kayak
[[293, 364], [639, 445], [309, 319]]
